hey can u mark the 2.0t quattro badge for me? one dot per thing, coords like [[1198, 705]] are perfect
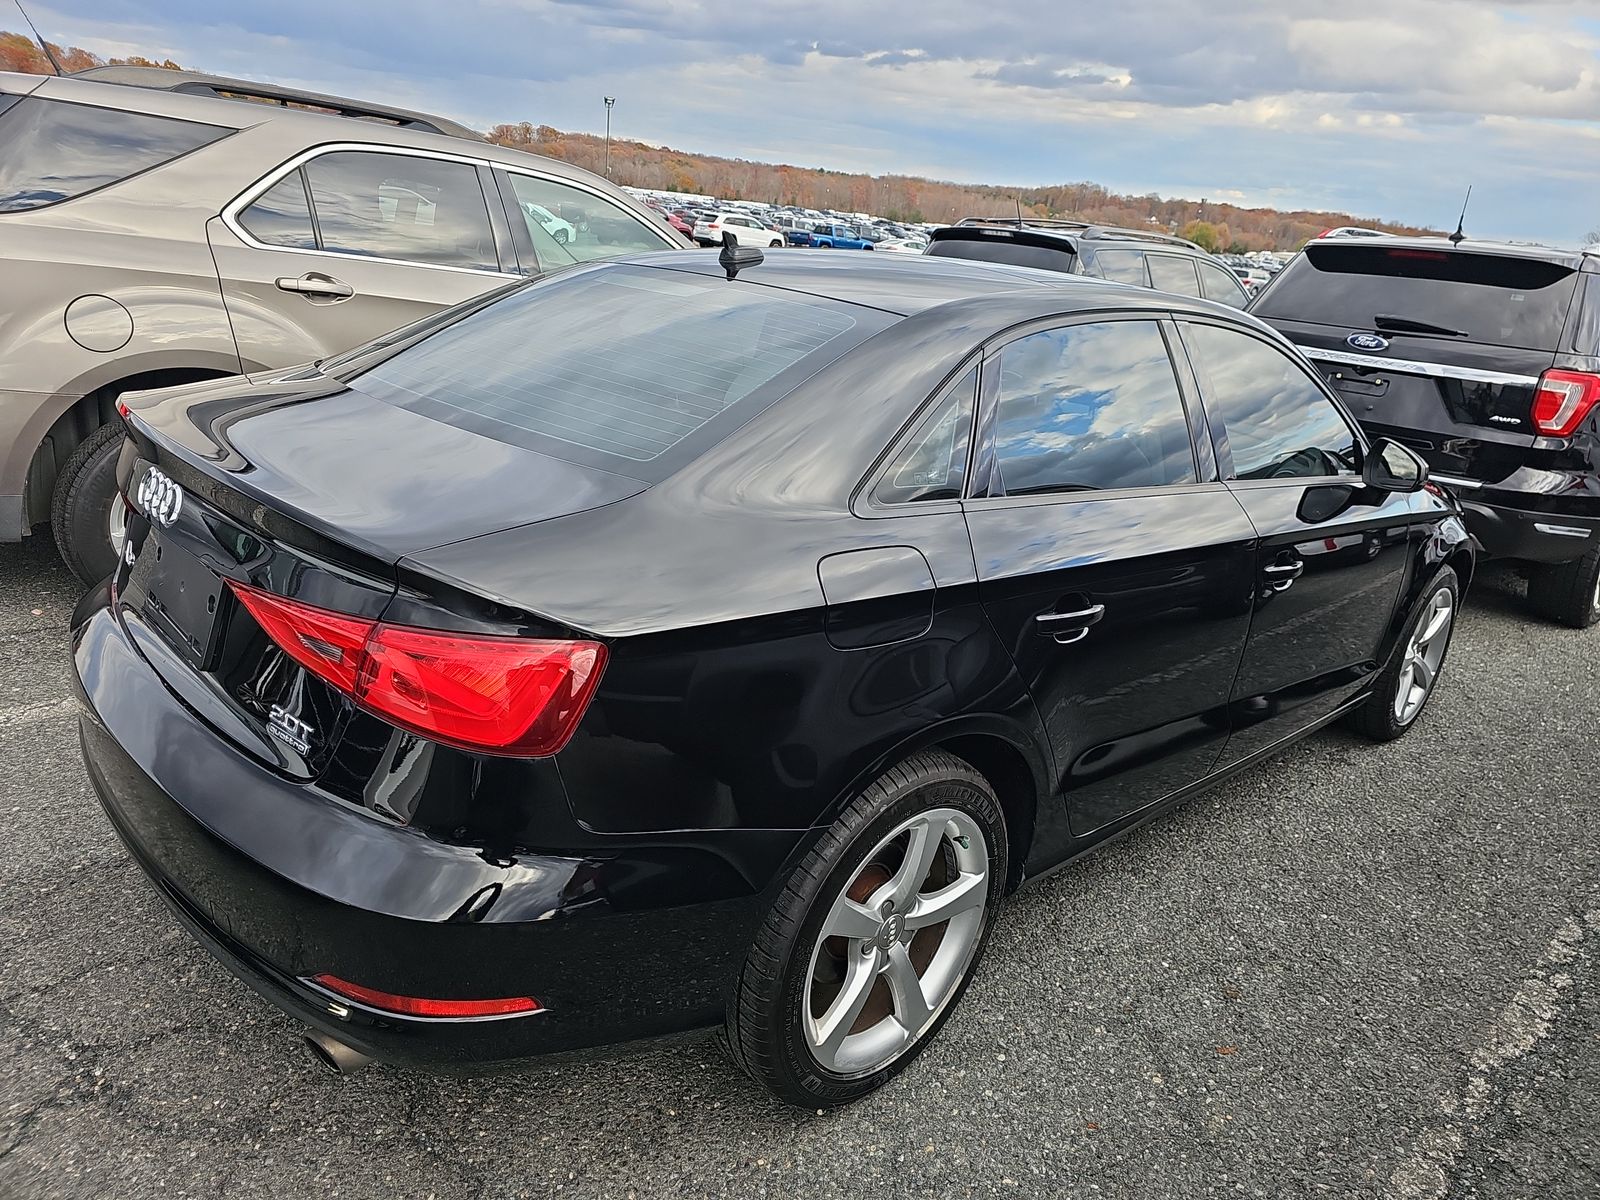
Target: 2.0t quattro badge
[[159, 497]]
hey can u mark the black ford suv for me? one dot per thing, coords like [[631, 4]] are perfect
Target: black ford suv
[[1137, 256], [1484, 357]]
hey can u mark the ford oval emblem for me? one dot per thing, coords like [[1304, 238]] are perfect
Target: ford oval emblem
[[1367, 341]]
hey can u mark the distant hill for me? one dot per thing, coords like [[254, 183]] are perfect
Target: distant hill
[[1214, 225]]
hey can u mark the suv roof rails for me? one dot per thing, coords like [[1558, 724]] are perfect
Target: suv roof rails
[[195, 83], [1087, 228]]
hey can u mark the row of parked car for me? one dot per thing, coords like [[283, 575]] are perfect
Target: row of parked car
[[505, 643]]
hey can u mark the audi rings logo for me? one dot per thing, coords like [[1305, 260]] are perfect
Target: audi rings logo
[[160, 499]]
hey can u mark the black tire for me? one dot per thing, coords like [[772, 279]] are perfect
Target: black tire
[[560, 237], [1569, 592], [763, 1032], [80, 509], [1376, 718]]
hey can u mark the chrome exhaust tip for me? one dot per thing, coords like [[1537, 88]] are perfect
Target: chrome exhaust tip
[[334, 1054]]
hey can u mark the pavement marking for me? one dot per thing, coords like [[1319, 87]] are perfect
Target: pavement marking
[[12, 715], [1424, 1174]]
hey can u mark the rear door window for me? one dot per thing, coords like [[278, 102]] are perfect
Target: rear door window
[[1122, 266], [1495, 298], [569, 225], [1221, 286], [52, 151], [1270, 417], [281, 216], [1090, 407], [396, 206], [1173, 273], [932, 465], [630, 369]]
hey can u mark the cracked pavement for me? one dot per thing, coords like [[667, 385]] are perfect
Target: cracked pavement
[[1352, 971]]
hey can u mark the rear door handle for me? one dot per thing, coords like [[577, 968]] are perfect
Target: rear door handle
[[1069, 627], [1281, 575], [317, 286]]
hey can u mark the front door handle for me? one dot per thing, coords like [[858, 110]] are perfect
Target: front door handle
[[1069, 627], [1281, 575], [316, 286]]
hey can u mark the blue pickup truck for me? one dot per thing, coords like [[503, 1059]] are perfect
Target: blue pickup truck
[[828, 237]]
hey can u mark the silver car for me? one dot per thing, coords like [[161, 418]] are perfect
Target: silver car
[[158, 227]]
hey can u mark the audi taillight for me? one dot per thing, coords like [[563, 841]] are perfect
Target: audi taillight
[[1563, 400], [498, 695]]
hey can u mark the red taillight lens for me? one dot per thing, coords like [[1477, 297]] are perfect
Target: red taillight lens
[[508, 695], [327, 644], [414, 1006], [1563, 400], [502, 695]]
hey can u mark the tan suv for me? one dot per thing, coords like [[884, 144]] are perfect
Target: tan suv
[[157, 229]]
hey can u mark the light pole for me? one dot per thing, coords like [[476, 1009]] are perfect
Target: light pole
[[610, 100]]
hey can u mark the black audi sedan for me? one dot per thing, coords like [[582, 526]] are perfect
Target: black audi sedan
[[682, 642]]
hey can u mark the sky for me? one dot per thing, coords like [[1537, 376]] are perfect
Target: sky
[[1385, 108]]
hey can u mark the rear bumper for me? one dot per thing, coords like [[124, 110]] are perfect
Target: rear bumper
[[1542, 537], [575, 931]]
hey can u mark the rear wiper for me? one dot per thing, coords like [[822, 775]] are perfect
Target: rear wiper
[[1407, 325]]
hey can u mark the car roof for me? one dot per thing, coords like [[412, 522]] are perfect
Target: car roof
[[906, 285], [222, 87], [1536, 250]]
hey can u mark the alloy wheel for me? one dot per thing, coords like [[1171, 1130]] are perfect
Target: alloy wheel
[[897, 942], [1424, 655]]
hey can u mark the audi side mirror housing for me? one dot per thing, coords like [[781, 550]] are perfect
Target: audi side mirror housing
[[1391, 467]]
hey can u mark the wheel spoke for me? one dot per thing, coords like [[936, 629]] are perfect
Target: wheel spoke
[[1407, 676], [834, 1025], [910, 1004], [925, 838], [1423, 673], [851, 920], [967, 892], [1436, 624]]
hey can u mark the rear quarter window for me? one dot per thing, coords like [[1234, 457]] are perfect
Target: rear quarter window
[[1498, 299], [52, 151], [628, 369]]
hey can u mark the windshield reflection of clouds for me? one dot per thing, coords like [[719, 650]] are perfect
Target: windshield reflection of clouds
[[1091, 407]]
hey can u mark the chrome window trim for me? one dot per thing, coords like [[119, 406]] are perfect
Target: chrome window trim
[[1455, 481], [1408, 366], [232, 210]]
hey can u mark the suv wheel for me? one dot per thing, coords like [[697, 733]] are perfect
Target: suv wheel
[[1567, 592], [1408, 682], [81, 508], [874, 937]]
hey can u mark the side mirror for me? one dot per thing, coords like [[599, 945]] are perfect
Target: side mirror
[[1391, 467]]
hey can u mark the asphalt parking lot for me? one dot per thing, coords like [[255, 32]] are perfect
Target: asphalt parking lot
[[1351, 972]]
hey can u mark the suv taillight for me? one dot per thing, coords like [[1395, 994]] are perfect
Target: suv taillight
[[1563, 400], [496, 695]]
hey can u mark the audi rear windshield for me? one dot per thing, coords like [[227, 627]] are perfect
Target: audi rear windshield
[[1492, 298], [634, 370]]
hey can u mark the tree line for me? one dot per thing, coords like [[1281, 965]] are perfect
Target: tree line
[[1215, 226]]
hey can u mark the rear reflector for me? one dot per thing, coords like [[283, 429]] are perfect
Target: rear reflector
[[1563, 400], [498, 695], [414, 1006]]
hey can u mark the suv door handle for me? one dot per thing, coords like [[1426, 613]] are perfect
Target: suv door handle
[[1069, 627], [323, 287]]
